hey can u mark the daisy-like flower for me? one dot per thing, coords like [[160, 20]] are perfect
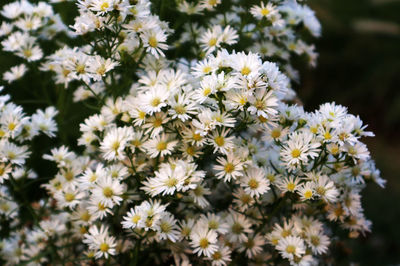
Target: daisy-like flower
[[5, 170], [288, 184], [154, 99], [325, 188], [100, 242], [214, 222], [255, 182], [155, 124], [154, 42], [182, 106], [211, 39], [263, 103], [167, 227], [198, 195], [239, 227], [298, 148], [99, 66], [209, 4], [306, 191], [291, 246], [69, 197], [13, 153], [167, 181], [253, 245], [186, 227], [203, 240], [191, 135], [160, 145], [221, 142], [242, 199], [108, 191], [114, 143], [221, 257], [263, 11], [15, 73], [229, 168], [246, 65], [90, 177], [205, 67], [134, 218], [317, 241], [102, 6]]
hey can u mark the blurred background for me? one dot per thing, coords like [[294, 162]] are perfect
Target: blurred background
[[359, 67]]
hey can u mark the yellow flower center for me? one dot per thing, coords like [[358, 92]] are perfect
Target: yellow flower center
[[207, 69], [229, 167], [253, 183], [291, 186], [69, 197], [290, 249], [135, 218], [203, 243], [104, 6], [153, 42], [196, 137], [180, 109], [162, 145], [217, 256], [27, 53], [212, 42], [80, 69], [171, 182], [276, 133], [155, 102], [206, 91], [264, 11], [220, 141], [296, 153], [108, 192], [308, 194], [245, 71], [104, 247]]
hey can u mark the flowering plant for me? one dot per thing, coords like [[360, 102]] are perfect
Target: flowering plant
[[196, 149]]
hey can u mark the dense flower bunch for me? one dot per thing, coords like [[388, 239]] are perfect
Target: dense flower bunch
[[16, 133], [201, 158]]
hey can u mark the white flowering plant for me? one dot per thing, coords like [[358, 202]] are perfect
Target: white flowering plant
[[192, 148]]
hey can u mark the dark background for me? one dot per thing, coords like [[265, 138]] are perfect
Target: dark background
[[359, 67]]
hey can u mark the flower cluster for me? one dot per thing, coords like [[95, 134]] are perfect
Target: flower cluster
[[17, 130], [190, 156], [26, 26]]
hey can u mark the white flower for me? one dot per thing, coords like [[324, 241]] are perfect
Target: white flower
[[114, 143], [153, 99], [263, 103], [203, 240], [263, 11], [239, 227], [100, 242], [298, 149], [221, 142], [15, 73], [255, 182], [291, 247], [167, 227], [108, 191], [160, 145], [246, 65], [317, 241], [229, 168], [154, 41]]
